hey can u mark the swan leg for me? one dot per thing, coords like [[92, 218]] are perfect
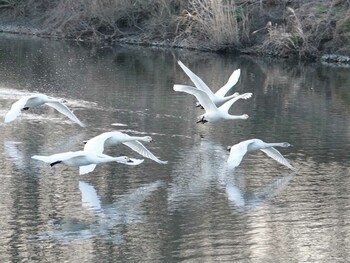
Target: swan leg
[[52, 164], [202, 121]]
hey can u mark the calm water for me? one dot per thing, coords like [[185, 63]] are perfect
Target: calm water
[[192, 209]]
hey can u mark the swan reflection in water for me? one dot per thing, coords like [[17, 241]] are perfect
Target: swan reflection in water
[[264, 194], [106, 217], [204, 166]]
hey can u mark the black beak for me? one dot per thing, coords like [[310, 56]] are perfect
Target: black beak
[[130, 161]]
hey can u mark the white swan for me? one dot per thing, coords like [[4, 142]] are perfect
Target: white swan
[[219, 96], [238, 151], [212, 113], [83, 158], [37, 100], [97, 144]]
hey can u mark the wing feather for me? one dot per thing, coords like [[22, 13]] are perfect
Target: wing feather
[[96, 144], [201, 96], [227, 105], [62, 108], [86, 169], [276, 155], [16, 109], [230, 83], [237, 153], [197, 81], [142, 150]]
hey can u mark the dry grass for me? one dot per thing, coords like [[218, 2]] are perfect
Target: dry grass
[[210, 24]]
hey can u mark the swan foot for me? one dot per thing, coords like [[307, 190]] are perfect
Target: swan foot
[[54, 163]]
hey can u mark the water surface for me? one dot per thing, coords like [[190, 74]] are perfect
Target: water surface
[[192, 209]]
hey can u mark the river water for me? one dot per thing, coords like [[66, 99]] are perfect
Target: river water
[[192, 209]]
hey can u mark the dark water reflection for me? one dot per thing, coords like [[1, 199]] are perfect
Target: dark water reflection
[[192, 209]]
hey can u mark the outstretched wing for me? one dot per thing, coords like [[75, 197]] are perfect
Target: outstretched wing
[[276, 155], [230, 83], [197, 81], [227, 105], [201, 96], [62, 108], [16, 109], [141, 149], [237, 153], [96, 144]]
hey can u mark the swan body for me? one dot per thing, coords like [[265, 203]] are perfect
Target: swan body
[[218, 97], [238, 151], [97, 144], [213, 113], [37, 100], [84, 158]]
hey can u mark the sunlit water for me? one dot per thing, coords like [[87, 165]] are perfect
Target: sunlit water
[[192, 209]]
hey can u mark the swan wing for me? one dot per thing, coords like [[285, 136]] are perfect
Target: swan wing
[[96, 144], [237, 153], [62, 108], [16, 109], [201, 96], [142, 150], [197, 81], [276, 155], [86, 169], [230, 83], [227, 105]]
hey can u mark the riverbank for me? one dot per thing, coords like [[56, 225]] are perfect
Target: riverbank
[[280, 28]]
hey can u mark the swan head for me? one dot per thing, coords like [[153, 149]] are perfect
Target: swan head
[[126, 159], [245, 116], [202, 119], [229, 148], [286, 144], [148, 139]]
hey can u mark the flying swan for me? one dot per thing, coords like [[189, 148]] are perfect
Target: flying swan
[[37, 100], [97, 144], [212, 113], [219, 96], [83, 158], [238, 151]]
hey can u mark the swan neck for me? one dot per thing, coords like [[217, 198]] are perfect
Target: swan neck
[[275, 144]]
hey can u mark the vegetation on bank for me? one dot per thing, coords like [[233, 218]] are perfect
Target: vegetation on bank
[[285, 28]]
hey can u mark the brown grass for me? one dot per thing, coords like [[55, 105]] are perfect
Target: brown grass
[[301, 30], [213, 22]]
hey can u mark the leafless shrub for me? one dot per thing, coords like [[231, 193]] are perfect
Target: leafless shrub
[[288, 39]]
